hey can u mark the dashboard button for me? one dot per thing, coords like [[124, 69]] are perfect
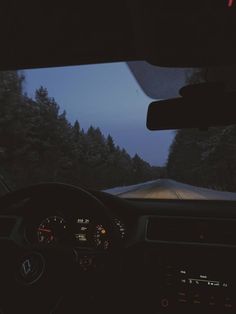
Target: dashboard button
[[211, 301], [182, 297], [182, 294], [228, 304], [86, 263], [164, 302]]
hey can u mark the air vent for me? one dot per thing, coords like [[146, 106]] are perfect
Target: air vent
[[192, 230], [6, 225]]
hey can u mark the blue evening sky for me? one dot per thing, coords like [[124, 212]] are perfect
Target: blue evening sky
[[105, 96]]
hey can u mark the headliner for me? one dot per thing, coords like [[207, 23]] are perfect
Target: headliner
[[51, 33]]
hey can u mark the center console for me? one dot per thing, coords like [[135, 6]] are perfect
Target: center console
[[192, 280]]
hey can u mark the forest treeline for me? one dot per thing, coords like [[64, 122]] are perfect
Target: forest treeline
[[204, 158], [38, 144]]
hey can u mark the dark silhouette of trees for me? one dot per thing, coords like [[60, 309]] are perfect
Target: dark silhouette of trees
[[38, 144], [204, 158]]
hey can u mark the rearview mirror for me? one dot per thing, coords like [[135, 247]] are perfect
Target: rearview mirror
[[202, 109]]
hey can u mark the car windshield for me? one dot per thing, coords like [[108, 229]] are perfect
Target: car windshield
[[86, 125]]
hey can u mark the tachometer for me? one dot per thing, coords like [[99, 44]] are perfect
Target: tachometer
[[51, 230]]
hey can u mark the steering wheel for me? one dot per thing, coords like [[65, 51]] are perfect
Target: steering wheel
[[34, 278]]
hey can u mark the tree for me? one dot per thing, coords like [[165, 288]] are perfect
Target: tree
[[37, 143], [204, 158], [110, 144]]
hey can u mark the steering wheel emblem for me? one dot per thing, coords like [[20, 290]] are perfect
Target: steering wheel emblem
[[26, 267], [31, 268]]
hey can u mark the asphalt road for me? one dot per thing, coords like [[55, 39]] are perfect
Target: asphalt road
[[170, 189]]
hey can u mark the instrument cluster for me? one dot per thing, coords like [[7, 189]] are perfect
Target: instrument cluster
[[81, 232]]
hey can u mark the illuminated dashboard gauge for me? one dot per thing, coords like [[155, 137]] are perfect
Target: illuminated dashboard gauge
[[51, 230], [100, 237], [121, 227], [82, 230]]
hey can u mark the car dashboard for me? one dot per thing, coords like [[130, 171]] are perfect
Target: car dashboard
[[182, 255], [80, 231], [175, 256]]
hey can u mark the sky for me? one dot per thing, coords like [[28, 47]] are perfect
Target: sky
[[105, 96]]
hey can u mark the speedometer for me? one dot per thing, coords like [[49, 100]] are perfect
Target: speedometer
[[100, 237], [51, 230], [121, 227]]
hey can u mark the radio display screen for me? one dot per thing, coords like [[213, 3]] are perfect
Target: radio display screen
[[195, 279]]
